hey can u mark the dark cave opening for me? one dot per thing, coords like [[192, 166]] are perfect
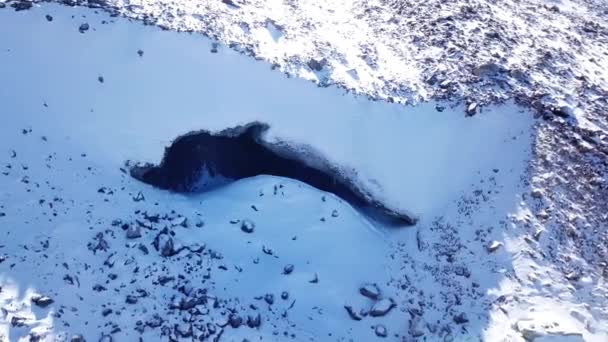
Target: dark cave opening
[[241, 152]]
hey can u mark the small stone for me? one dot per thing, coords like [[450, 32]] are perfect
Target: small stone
[[284, 295], [247, 226], [254, 322], [235, 321], [165, 245], [18, 321], [461, 318], [334, 213], [131, 299], [42, 301], [537, 193], [352, 313], [106, 312], [180, 221], [288, 269], [370, 291], [133, 232], [472, 109], [77, 338], [381, 331], [269, 298], [83, 28], [382, 307], [140, 53], [494, 246], [49, 18], [100, 79]]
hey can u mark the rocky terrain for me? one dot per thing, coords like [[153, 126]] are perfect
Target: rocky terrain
[[518, 252]]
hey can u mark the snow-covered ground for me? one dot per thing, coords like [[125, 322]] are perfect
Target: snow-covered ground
[[496, 255]]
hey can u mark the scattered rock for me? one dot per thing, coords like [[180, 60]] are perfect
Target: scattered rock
[[131, 299], [83, 28], [180, 221], [316, 65], [352, 313], [18, 321], [42, 301], [494, 246], [382, 307], [381, 331], [284, 295], [21, 5], [288, 269], [247, 226], [537, 193], [269, 298], [370, 291], [254, 322], [461, 318], [235, 321], [133, 232], [140, 53], [49, 18], [77, 338], [165, 245], [100, 79]]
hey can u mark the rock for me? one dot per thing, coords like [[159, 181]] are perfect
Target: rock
[[382, 307], [269, 298], [537, 193], [351, 313], [165, 245], [472, 109], [235, 321], [18, 321], [154, 322], [100, 79], [42, 301], [381, 331], [288, 269], [370, 291], [106, 338], [131, 299], [284, 295], [532, 330], [180, 221], [247, 226], [334, 213], [83, 28], [77, 338], [133, 232], [106, 312], [140, 53], [461, 318], [21, 5], [254, 322], [316, 65], [49, 18], [415, 327], [493, 246]]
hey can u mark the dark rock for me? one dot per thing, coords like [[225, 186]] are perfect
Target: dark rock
[[381, 331], [254, 322], [154, 322], [382, 307], [42, 301], [83, 28], [18, 321], [21, 5], [235, 321], [247, 226], [49, 17], [140, 53], [316, 65], [269, 298], [284, 295], [288, 269], [100, 79], [461, 318], [106, 312], [370, 291], [133, 232], [77, 338], [351, 313], [131, 299]]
